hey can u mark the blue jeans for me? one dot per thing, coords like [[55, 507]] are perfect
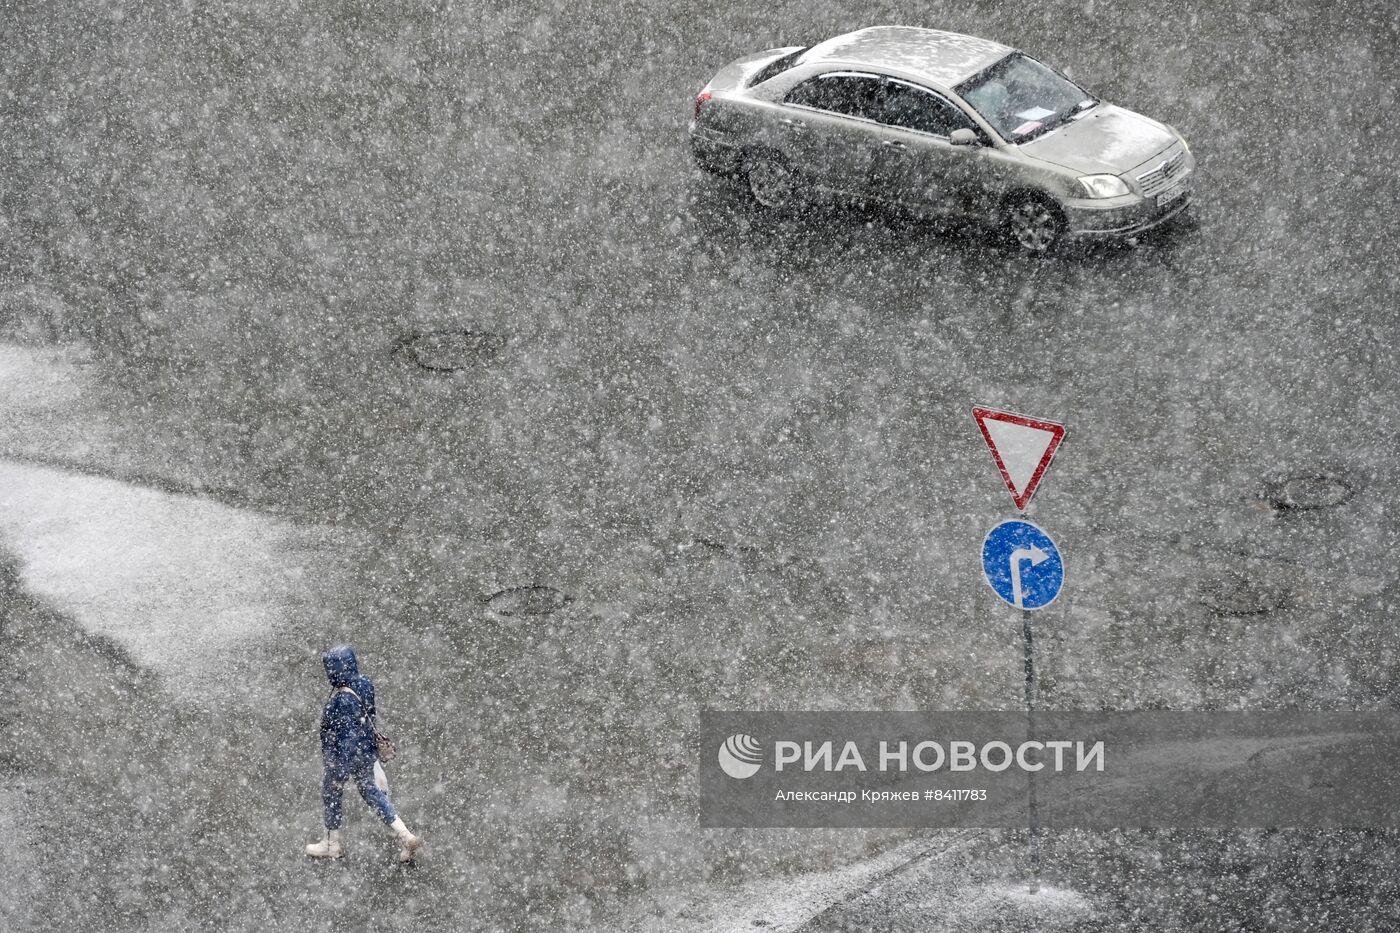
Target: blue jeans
[[331, 789]]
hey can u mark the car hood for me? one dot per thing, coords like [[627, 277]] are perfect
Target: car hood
[[1107, 140]]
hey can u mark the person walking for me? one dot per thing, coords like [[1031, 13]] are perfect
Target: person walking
[[350, 752]]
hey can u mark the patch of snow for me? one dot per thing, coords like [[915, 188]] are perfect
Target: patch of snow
[[179, 582], [773, 905], [1048, 907], [33, 379], [18, 864]]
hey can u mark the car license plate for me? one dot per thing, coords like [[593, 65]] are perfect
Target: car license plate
[[1171, 194]]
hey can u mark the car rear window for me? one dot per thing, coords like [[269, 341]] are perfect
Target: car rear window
[[775, 68]]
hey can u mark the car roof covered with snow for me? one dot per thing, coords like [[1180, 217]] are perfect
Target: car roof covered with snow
[[939, 57]]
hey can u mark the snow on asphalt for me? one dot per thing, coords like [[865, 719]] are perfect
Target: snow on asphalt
[[18, 864], [785, 906], [37, 379], [181, 583], [178, 582]]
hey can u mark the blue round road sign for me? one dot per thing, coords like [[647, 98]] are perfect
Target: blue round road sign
[[1022, 564]]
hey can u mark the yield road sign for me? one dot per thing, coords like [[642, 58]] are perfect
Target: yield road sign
[[1022, 565], [1022, 447]]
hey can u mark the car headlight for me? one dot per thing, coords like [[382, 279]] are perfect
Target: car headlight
[[1103, 186]]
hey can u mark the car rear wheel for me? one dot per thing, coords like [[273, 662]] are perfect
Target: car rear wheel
[[1033, 224], [770, 179]]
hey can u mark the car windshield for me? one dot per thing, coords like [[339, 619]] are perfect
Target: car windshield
[[1021, 98]]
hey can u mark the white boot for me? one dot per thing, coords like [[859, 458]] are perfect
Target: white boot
[[326, 848], [410, 841]]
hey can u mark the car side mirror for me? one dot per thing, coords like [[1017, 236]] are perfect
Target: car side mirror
[[964, 137]]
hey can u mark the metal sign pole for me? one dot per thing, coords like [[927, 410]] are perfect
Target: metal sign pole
[[1034, 817], [1024, 567], [1022, 448]]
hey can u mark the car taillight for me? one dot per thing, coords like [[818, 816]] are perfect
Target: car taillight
[[700, 101]]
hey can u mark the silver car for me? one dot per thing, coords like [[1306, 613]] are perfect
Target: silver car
[[944, 125]]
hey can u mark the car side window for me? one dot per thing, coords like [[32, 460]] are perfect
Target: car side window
[[914, 108], [848, 94]]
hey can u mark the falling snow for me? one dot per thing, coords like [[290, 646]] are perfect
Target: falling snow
[[414, 326]]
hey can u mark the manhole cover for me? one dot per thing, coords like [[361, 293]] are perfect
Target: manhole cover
[[527, 601], [1308, 491], [1245, 596], [445, 351]]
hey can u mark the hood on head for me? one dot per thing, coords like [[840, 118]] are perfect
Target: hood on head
[[341, 666]]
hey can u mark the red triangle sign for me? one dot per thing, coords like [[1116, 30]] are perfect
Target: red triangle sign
[[1022, 447]]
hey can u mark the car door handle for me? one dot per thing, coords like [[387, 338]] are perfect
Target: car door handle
[[894, 144]]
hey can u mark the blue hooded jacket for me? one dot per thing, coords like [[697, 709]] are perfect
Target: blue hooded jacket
[[347, 723]]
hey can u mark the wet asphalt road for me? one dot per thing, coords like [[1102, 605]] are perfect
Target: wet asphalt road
[[740, 445]]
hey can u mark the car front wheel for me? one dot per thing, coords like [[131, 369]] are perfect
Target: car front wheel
[[1033, 224], [770, 179]]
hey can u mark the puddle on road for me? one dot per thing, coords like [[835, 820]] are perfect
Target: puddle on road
[[1305, 491], [526, 601], [446, 351]]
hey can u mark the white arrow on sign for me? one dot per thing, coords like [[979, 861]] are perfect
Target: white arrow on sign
[[1033, 554]]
